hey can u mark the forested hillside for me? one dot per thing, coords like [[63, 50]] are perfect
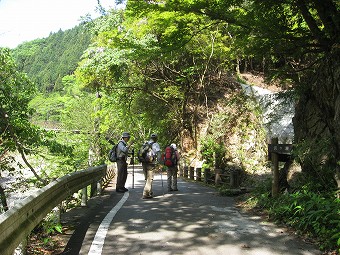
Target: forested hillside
[[173, 68], [46, 61]]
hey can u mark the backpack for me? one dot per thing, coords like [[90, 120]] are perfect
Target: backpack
[[146, 154], [113, 153], [170, 158]]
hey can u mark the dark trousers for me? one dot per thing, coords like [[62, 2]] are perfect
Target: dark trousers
[[172, 177], [121, 174]]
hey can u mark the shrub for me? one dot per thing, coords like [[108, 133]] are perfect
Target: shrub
[[317, 215]]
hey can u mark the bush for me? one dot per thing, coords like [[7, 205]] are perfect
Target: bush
[[317, 215]]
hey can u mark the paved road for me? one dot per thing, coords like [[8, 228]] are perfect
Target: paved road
[[195, 220]]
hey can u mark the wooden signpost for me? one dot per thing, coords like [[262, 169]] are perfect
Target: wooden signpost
[[277, 153]]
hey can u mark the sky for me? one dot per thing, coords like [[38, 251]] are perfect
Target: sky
[[26, 20]]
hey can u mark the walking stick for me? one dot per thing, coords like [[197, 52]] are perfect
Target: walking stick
[[162, 182], [133, 168]]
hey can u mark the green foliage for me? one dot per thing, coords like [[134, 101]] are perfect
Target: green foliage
[[47, 60], [213, 152], [308, 212], [48, 108], [314, 157], [272, 32], [225, 190], [15, 92], [160, 66], [242, 121], [69, 116], [44, 231], [51, 224], [39, 148], [137, 60]]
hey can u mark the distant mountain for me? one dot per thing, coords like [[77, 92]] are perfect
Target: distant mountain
[[46, 61]]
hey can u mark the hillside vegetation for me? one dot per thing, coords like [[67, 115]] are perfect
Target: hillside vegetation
[[46, 61], [173, 68]]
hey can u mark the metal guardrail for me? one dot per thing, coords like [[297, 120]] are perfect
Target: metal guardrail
[[110, 174], [18, 222]]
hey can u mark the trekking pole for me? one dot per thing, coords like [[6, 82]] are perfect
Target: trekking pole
[[162, 182], [133, 168]]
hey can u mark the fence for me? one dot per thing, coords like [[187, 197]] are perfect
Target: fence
[[217, 176], [276, 153], [17, 223]]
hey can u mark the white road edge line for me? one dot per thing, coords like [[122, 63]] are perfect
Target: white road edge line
[[98, 241]]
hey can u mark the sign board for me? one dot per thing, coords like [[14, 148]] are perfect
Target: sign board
[[280, 148], [283, 151]]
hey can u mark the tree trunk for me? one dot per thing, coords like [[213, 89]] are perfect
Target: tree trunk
[[20, 149], [317, 123], [311, 22], [329, 15]]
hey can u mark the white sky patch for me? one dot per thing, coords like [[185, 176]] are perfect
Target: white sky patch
[[26, 20]]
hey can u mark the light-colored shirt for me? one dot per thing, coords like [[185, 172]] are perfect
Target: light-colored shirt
[[122, 149], [156, 149]]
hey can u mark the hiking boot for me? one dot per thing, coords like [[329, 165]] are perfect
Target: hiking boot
[[125, 189], [147, 197], [120, 190]]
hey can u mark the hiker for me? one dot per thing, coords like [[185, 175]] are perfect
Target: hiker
[[122, 154], [149, 166], [173, 169]]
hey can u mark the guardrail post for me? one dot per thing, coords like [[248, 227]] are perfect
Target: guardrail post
[[99, 188], [84, 197], [218, 178], [275, 164], [186, 171], [21, 249], [234, 178], [206, 173], [57, 213], [198, 174], [93, 189], [192, 171]]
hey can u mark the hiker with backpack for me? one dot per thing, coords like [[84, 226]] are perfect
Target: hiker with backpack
[[171, 158], [150, 156], [122, 154]]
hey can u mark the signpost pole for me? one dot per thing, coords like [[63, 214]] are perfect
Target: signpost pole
[[275, 165]]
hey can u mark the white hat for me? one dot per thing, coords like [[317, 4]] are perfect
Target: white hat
[[173, 146]]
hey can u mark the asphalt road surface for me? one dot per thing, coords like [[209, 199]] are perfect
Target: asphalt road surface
[[192, 221]]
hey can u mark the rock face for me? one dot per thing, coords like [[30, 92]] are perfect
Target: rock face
[[277, 112], [317, 122]]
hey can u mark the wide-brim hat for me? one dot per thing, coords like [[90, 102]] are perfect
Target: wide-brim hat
[[125, 135]]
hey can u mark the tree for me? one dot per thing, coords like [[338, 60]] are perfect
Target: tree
[[139, 59], [47, 60], [295, 41], [15, 130], [17, 133]]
